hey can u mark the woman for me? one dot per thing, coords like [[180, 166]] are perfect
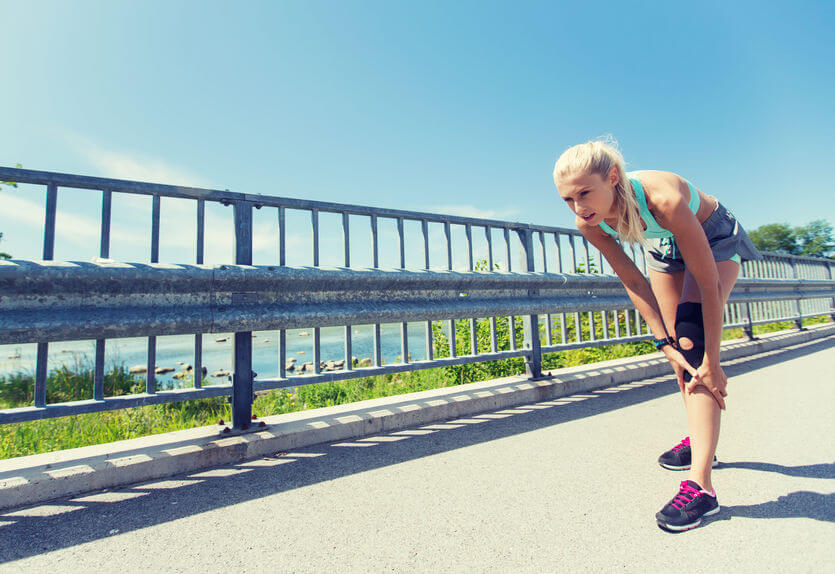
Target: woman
[[694, 247]]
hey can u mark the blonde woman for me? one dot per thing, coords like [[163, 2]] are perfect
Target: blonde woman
[[694, 247]]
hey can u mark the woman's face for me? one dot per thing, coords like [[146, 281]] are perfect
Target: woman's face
[[590, 196]]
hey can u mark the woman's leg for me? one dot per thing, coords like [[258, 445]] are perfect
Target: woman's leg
[[703, 414], [667, 288]]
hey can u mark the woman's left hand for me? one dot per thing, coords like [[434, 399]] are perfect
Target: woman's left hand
[[713, 378]]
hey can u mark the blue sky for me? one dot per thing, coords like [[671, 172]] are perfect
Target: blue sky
[[455, 107]]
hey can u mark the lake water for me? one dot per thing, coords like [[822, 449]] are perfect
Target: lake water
[[174, 350]]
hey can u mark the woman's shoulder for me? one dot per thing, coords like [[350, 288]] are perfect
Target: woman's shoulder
[[659, 185]]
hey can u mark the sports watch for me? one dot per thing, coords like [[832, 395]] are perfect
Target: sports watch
[[660, 343]]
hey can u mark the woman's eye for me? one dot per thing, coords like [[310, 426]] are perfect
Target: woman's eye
[[583, 193]]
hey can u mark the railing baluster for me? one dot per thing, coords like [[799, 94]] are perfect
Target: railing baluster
[[317, 350], [468, 230], [424, 228], [104, 247], [201, 230], [572, 251], [375, 256], [452, 343], [493, 335], [544, 256], [401, 242], [151, 375], [197, 377], [282, 238], [511, 323], [507, 248], [489, 236], [349, 349], [378, 359], [430, 342], [549, 338], [49, 221], [98, 372], [473, 337], [586, 254], [282, 354], [404, 342], [605, 316], [41, 375], [314, 222], [448, 238], [155, 209]]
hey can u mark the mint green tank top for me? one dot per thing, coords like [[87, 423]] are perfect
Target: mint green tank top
[[653, 230]]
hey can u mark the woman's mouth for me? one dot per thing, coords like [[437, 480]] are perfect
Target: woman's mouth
[[587, 217]]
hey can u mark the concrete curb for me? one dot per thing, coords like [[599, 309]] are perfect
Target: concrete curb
[[38, 478]]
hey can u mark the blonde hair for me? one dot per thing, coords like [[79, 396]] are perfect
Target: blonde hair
[[600, 156]]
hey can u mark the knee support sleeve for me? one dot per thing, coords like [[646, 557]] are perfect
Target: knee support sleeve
[[690, 326]]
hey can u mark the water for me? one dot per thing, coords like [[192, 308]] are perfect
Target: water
[[176, 350]]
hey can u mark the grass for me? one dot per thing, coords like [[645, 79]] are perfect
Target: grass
[[21, 439]]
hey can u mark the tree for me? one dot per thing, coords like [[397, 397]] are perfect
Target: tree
[[775, 237], [815, 239], [812, 240]]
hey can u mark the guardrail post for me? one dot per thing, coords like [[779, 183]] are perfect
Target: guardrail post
[[242, 377], [798, 320], [533, 361]]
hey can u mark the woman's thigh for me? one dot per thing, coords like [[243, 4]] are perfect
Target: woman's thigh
[[728, 273], [667, 288]]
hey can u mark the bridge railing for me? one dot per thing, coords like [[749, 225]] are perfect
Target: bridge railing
[[561, 290]]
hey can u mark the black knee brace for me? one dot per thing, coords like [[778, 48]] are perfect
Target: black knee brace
[[690, 324]]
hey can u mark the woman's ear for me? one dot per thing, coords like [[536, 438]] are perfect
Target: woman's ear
[[614, 175]]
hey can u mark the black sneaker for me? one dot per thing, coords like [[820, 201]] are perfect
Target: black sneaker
[[678, 457], [686, 509]]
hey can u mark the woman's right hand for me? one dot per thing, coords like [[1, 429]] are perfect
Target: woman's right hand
[[680, 365]]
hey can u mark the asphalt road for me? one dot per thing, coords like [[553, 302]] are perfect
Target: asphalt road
[[564, 485]]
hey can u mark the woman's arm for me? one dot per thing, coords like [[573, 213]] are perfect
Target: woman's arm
[[637, 287], [671, 210]]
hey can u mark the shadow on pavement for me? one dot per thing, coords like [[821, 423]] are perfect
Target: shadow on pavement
[[72, 521], [823, 470], [800, 504]]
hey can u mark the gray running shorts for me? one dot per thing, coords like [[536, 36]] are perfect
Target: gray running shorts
[[725, 235]]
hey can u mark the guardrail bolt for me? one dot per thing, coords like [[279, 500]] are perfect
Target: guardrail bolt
[[262, 424], [226, 430], [254, 418], [244, 426], [220, 422]]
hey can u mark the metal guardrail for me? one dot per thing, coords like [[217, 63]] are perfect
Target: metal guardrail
[[48, 301]]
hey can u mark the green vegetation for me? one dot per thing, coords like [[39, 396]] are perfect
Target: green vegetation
[[812, 240], [65, 384]]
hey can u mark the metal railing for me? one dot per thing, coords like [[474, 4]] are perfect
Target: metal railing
[[44, 302]]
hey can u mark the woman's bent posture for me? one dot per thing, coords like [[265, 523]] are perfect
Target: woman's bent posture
[[694, 247]]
